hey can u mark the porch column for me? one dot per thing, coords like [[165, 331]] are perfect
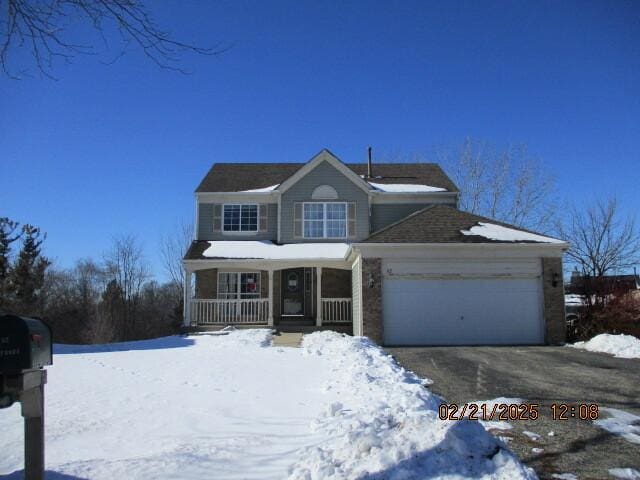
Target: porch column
[[270, 319], [187, 298], [319, 296]]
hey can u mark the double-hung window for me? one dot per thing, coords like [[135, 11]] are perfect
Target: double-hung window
[[325, 220], [235, 285], [240, 218]]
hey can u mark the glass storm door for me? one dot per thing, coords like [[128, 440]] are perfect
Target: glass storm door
[[293, 292]]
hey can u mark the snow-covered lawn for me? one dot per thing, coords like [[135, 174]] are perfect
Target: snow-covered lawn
[[232, 406], [623, 346]]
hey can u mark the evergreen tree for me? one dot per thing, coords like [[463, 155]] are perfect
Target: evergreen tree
[[28, 273], [7, 237]]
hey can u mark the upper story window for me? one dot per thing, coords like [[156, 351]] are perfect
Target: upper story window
[[325, 220], [240, 218]]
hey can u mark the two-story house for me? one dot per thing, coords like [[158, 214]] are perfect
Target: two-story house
[[380, 249]]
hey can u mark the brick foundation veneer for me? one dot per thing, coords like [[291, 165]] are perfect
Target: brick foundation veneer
[[372, 325], [554, 315], [207, 283]]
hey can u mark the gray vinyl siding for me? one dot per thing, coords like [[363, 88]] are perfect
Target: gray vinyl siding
[[385, 214], [205, 225], [324, 174]]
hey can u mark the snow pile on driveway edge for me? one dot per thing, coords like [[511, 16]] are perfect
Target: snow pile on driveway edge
[[387, 425], [622, 346], [622, 423]]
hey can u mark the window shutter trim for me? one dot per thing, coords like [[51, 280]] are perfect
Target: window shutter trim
[[297, 220], [262, 220], [217, 218], [351, 219]]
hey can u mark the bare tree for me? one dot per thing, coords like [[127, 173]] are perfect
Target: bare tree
[[42, 27], [601, 241], [126, 266], [72, 299], [89, 282], [172, 249], [506, 184]]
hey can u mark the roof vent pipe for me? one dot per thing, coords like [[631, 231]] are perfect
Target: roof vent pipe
[[369, 172]]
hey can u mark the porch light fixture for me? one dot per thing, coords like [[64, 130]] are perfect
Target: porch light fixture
[[554, 279], [370, 280]]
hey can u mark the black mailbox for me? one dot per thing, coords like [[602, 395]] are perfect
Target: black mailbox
[[25, 344]]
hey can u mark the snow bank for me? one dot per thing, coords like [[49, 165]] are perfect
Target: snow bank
[[386, 425], [625, 473], [268, 250], [405, 188], [620, 423], [498, 232], [230, 406], [622, 346]]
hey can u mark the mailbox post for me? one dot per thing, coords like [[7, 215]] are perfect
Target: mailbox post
[[25, 348]]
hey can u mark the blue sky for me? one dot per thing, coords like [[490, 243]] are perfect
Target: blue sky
[[111, 149]]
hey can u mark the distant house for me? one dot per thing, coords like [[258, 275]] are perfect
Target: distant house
[[379, 249], [581, 288], [603, 285]]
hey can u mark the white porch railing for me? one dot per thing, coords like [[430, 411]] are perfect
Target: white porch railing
[[336, 310], [223, 312]]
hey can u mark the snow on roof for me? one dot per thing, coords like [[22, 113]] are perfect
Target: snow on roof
[[269, 251], [405, 188], [262, 190], [505, 234], [382, 187]]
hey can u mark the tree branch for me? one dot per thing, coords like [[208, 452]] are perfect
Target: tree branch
[[42, 25]]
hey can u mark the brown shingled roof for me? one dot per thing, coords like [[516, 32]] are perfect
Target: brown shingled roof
[[236, 177], [437, 224], [196, 249], [410, 173]]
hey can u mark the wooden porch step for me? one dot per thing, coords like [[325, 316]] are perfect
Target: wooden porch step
[[296, 323], [292, 339], [348, 329]]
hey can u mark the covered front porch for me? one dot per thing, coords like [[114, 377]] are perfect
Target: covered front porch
[[249, 292]]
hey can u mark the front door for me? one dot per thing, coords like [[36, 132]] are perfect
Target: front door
[[293, 292]]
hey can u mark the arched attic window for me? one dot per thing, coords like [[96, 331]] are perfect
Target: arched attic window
[[324, 192]]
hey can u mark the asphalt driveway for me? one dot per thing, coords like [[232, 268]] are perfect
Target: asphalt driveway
[[543, 375]]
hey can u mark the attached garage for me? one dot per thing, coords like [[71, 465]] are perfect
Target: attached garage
[[462, 302], [446, 277]]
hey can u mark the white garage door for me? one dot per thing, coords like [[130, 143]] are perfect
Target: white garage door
[[422, 305]]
